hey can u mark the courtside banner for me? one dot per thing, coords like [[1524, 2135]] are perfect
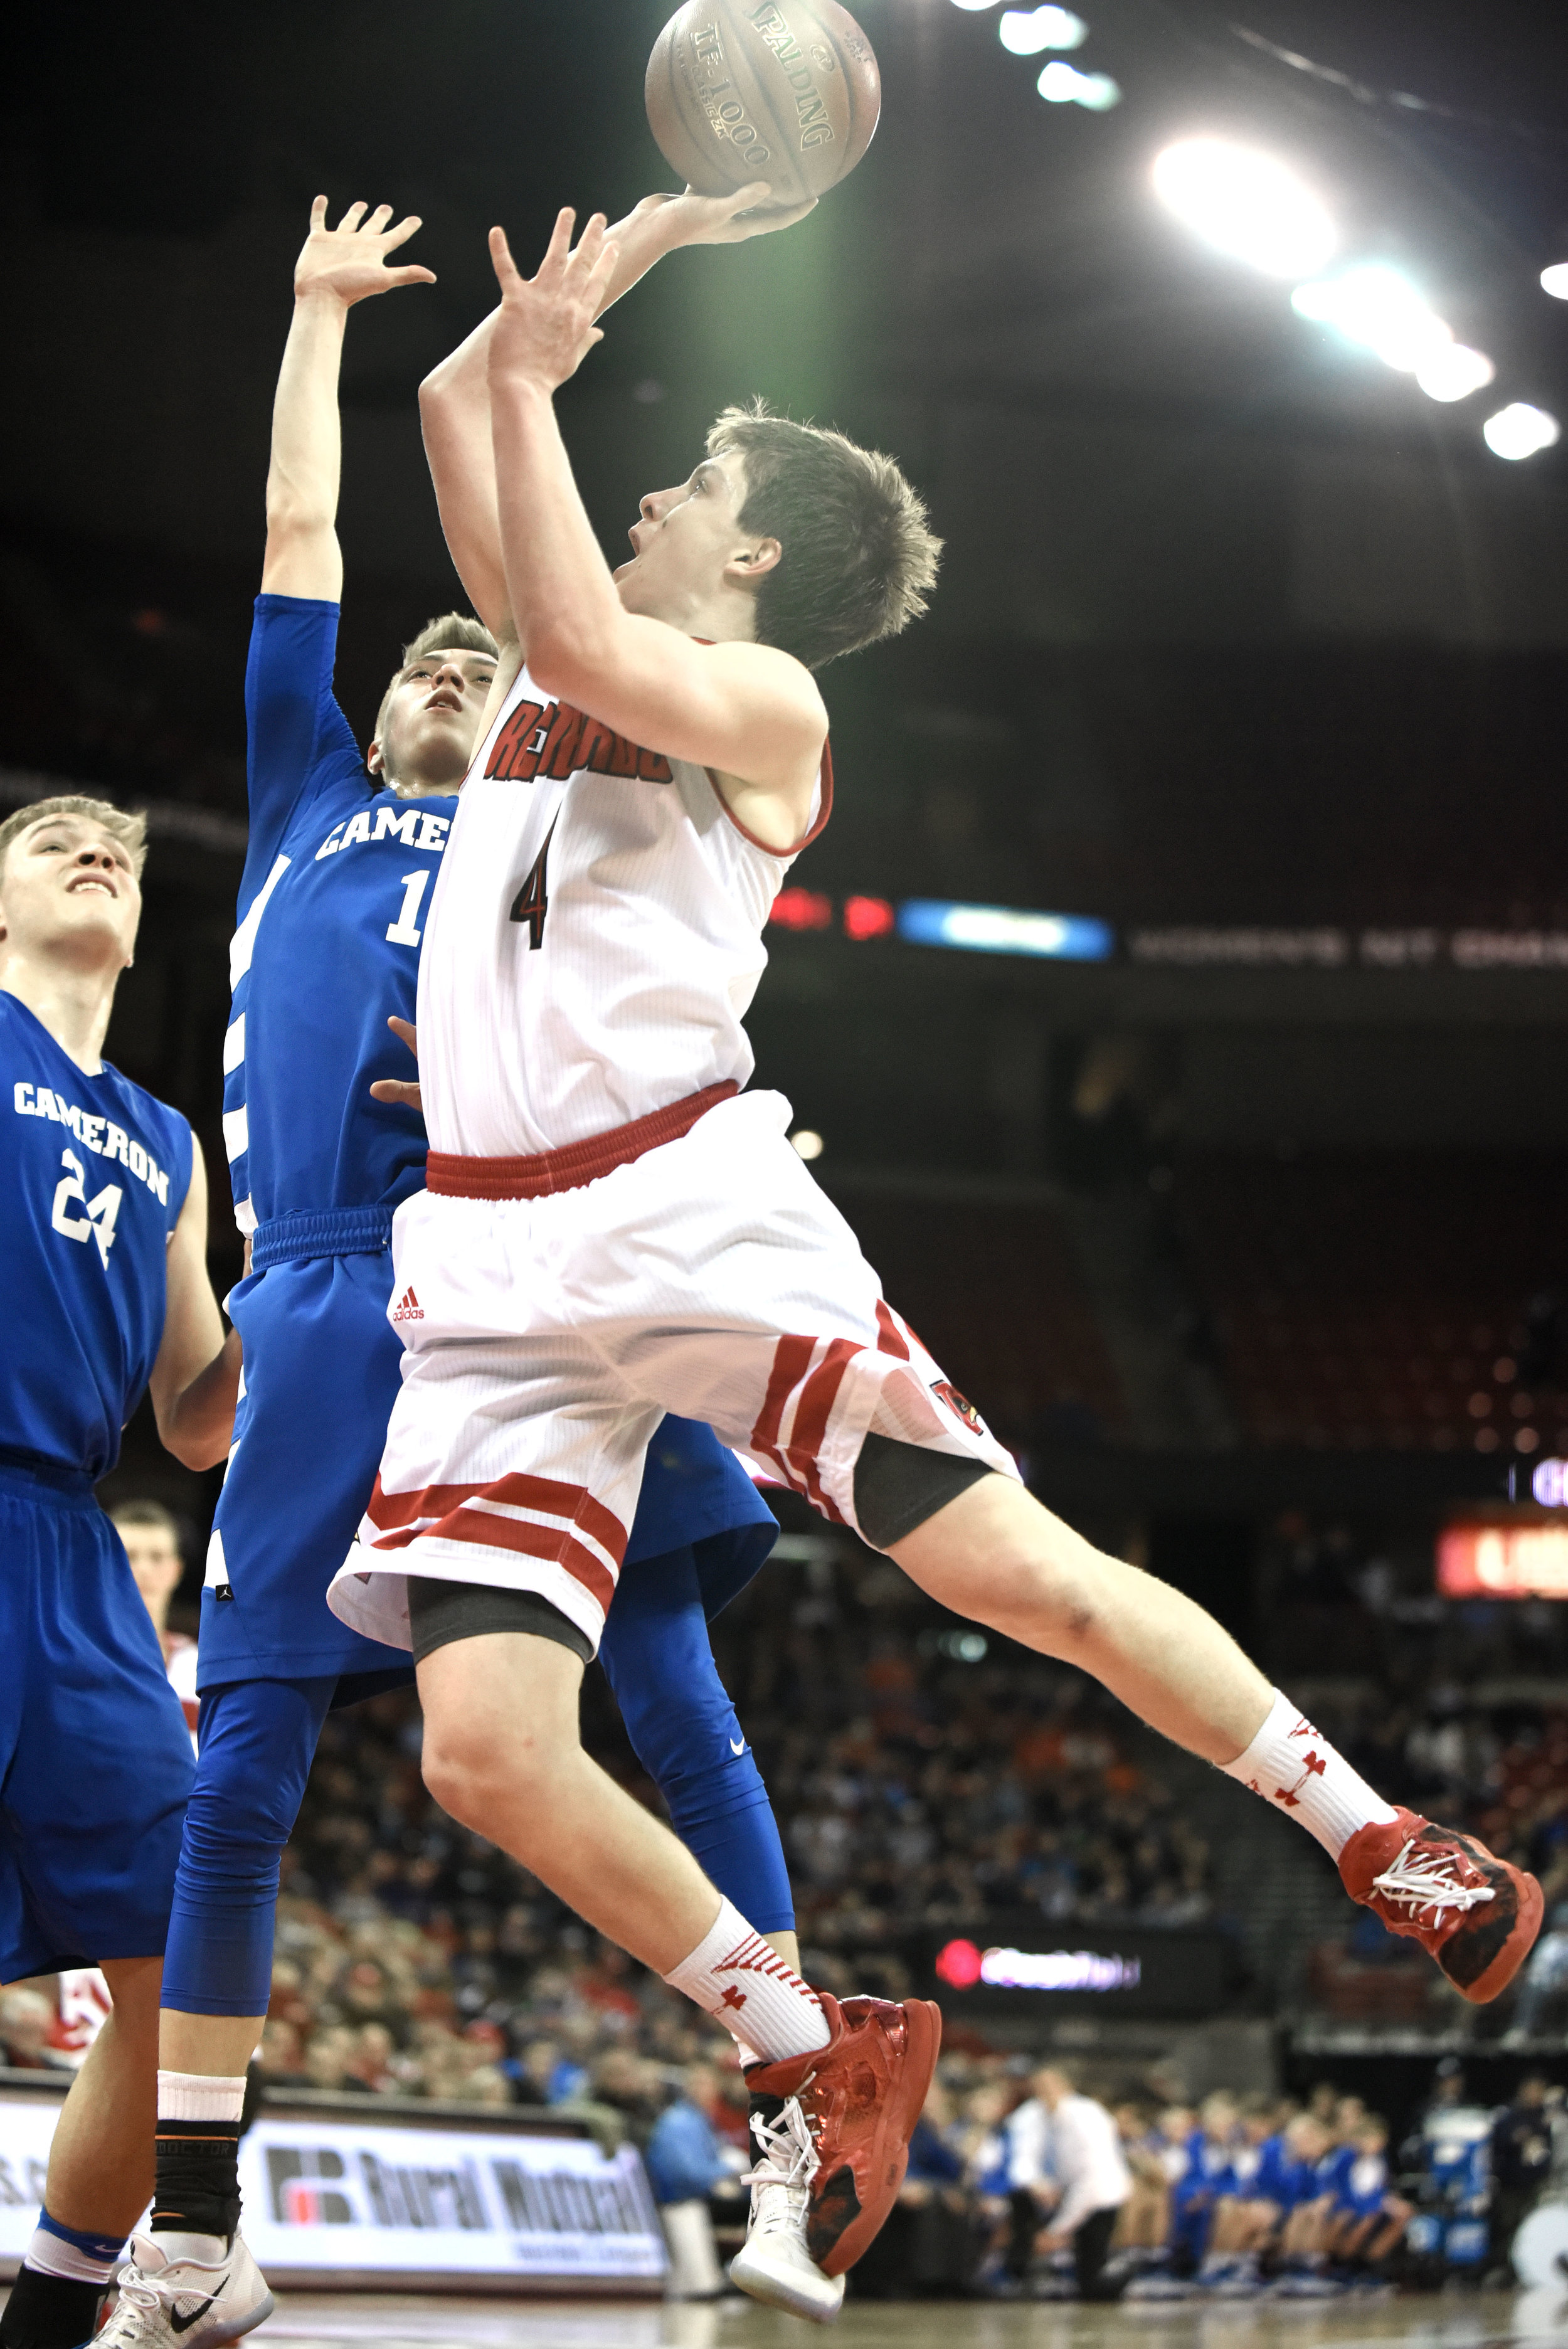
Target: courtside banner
[[336, 2195], [27, 2130], [353, 2200]]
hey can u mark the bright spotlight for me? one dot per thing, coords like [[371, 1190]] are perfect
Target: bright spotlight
[[1027, 31], [808, 1145], [1554, 281], [975, 5], [1376, 306], [1063, 85], [1519, 431], [1245, 204], [1454, 372]]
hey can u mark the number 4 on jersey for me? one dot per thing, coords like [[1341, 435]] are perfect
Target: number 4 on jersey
[[531, 902]]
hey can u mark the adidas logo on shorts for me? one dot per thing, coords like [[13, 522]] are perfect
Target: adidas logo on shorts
[[407, 1308]]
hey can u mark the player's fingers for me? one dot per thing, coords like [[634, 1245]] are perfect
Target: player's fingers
[[379, 218], [318, 214], [504, 265], [411, 274], [388, 1089], [765, 223], [405, 229], [560, 246], [756, 191], [352, 216], [405, 1032]]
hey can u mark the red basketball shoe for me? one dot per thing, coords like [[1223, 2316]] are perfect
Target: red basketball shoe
[[860, 2097], [1476, 1915]]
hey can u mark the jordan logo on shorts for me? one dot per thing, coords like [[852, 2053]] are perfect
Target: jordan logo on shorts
[[407, 1308]]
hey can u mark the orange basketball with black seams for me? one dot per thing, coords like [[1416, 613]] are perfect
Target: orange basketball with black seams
[[782, 90]]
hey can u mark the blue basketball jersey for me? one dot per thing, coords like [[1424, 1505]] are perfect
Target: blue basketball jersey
[[91, 1185], [332, 902]]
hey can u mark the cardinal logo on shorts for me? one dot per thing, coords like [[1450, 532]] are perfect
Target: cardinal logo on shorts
[[960, 1406], [407, 1308]]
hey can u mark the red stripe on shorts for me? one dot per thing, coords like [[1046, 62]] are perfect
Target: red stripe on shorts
[[812, 1414], [575, 1502], [791, 1360], [531, 1540], [889, 1338]]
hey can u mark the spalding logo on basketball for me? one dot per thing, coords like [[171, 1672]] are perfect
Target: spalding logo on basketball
[[782, 90]]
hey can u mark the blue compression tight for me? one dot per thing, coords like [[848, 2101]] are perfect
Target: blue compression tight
[[258, 1739]]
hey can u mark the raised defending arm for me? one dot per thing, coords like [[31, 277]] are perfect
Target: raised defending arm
[[336, 268]]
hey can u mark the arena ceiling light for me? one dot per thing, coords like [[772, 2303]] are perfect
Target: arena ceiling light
[[1454, 372], [1554, 281], [1378, 308], [1027, 31], [1245, 203], [1005, 929], [1519, 431], [1063, 85]]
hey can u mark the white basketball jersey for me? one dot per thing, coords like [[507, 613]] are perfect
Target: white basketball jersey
[[594, 939]]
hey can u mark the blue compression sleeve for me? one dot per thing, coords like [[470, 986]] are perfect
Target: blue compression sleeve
[[659, 1661], [257, 1740]]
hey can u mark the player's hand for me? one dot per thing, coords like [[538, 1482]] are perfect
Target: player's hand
[[544, 328], [661, 224], [348, 262], [394, 1089]]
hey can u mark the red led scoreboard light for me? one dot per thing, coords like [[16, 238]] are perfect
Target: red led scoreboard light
[[1491, 1558]]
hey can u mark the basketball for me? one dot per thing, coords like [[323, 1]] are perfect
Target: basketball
[[782, 90]]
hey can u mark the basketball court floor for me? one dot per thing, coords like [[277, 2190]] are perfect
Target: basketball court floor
[[1477, 2321]]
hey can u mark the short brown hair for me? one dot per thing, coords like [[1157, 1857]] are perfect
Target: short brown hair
[[129, 829], [147, 1513], [860, 558], [454, 632]]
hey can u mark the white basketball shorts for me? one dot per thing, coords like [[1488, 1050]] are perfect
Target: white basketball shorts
[[547, 1335]]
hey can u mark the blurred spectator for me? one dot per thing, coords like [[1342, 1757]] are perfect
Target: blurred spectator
[[685, 2163], [1090, 2178], [1544, 1987], [1520, 2164], [152, 1539], [26, 2019]]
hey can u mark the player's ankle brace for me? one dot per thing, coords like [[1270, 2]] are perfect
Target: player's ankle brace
[[198, 2190]]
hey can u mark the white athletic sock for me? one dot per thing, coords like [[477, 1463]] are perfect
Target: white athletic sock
[[201, 2096], [1295, 1769], [73, 2253], [734, 1975]]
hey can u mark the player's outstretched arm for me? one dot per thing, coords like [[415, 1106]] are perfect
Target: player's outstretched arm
[[336, 268], [748, 711], [454, 398], [195, 1382]]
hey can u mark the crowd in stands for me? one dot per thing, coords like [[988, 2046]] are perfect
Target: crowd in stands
[[1457, 1708]]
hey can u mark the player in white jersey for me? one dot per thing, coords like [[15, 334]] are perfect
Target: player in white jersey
[[152, 1540], [612, 1229]]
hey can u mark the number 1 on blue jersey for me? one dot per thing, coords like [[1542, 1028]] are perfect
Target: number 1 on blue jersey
[[402, 933]]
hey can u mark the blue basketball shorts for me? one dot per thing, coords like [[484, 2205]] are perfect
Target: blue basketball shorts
[[92, 1743]]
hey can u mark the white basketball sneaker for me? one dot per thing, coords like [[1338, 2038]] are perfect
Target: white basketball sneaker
[[774, 2264], [168, 2303]]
